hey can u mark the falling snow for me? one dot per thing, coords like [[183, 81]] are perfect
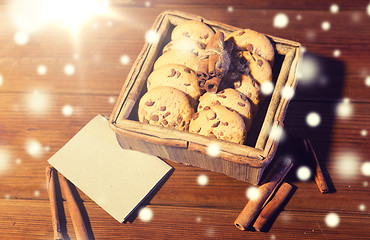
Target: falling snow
[[364, 132], [336, 53], [347, 164], [33, 148], [36, 193], [213, 149], [367, 81], [1, 80], [41, 69], [202, 180], [332, 220], [111, 100], [362, 207], [313, 119], [37, 103], [277, 133], [151, 36], [309, 70], [303, 173], [69, 69], [145, 214], [21, 38], [267, 88], [299, 17], [281, 20], [148, 4], [230, 9], [334, 8], [325, 25], [4, 161], [287, 92], [368, 9], [67, 110], [125, 59], [344, 109], [252, 193], [365, 169]]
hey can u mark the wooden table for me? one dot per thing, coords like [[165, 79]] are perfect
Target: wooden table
[[54, 82]]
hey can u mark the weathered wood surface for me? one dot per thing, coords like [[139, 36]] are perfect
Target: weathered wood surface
[[31, 109]]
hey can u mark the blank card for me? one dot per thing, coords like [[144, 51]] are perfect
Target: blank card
[[116, 179]]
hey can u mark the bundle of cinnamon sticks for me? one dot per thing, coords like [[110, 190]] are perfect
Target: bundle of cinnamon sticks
[[76, 215], [214, 63], [271, 196]]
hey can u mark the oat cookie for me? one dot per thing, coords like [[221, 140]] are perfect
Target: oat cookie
[[230, 98], [254, 42], [182, 57], [185, 44], [220, 122], [166, 106], [177, 76], [193, 29]]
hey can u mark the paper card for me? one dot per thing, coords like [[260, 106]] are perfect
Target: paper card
[[115, 178]]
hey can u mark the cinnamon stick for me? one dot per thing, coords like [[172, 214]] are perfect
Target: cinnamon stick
[[202, 71], [272, 206], [217, 44], [50, 183], [266, 190], [212, 84], [76, 216], [319, 176]]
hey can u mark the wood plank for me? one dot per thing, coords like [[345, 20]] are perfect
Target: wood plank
[[176, 222]]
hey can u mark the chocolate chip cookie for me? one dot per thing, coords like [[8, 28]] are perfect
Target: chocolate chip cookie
[[167, 107], [220, 122], [230, 98], [252, 41], [193, 29], [177, 76], [181, 57]]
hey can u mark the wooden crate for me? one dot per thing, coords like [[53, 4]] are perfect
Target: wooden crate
[[242, 162]]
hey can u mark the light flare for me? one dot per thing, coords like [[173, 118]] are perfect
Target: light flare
[[29, 16], [367, 81]]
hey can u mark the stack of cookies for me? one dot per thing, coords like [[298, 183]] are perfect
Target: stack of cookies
[[175, 99]]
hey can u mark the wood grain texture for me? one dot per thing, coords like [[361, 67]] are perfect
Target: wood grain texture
[[31, 109]]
